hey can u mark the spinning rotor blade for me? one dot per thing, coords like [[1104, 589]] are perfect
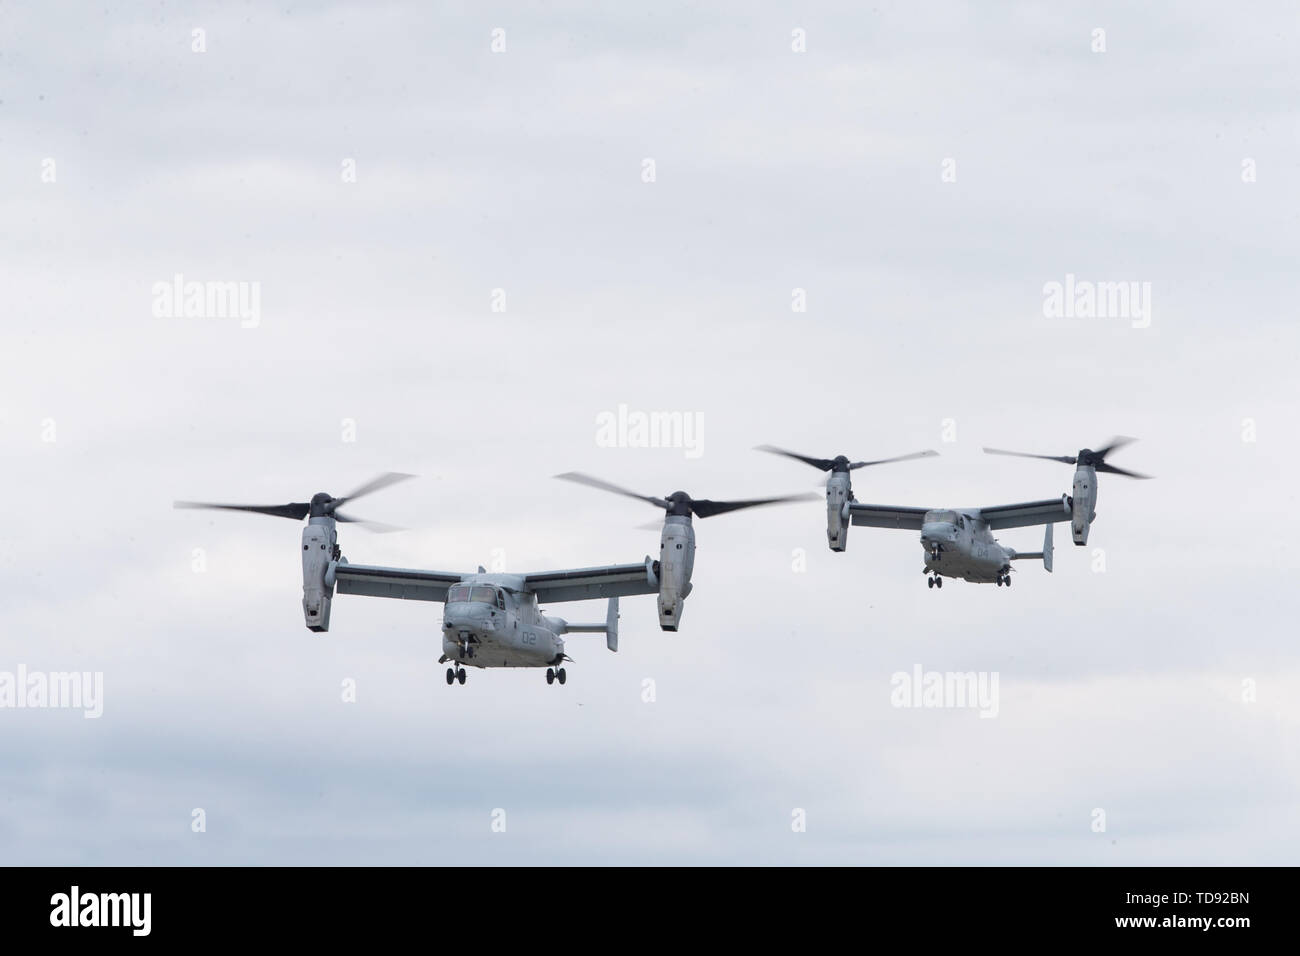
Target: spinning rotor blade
[[928, 453], [823, 464], [606, 486], [296, 510], [1116, 443], [1067, 459], [376, 526], [322, 504], [680, 503], [1119, 471], [1087, 456], [830, 464], [706, 508], [374, 484]]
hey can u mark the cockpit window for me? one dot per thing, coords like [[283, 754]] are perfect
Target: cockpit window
[[941, 517], [478, 594]]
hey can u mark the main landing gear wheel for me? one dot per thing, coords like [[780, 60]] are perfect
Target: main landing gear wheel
[[550, 675]]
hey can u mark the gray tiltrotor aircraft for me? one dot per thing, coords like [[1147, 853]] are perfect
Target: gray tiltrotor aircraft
[[493, 620], [958, 542]]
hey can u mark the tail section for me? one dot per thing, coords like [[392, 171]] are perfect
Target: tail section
[[611, 625], [1045, 554], [609, 628]]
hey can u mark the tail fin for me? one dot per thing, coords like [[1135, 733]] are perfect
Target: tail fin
[[609, 628], [611, 625], [1045, 554]]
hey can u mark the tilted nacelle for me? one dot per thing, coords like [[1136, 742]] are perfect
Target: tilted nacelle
[[319, 561], [839, 492], [676, 561], [1084, 508]]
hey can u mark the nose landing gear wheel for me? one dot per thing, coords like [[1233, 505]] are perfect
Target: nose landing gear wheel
[[560, 675], [550, 675], [929, 582], [938, 581], [999, 582], [451, 676], [461, 675]]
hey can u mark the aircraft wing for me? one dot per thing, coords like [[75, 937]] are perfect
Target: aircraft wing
[[395, 582], [886, 516], [1029, 513], [583, 584]]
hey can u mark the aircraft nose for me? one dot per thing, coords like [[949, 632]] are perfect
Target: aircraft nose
[[937, 533], [470, 618], [457, 617]]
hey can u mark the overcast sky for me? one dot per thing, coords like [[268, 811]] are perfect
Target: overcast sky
[[921, 172]]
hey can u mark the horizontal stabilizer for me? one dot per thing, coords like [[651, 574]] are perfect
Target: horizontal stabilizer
[[609, 628], [1045, 554]]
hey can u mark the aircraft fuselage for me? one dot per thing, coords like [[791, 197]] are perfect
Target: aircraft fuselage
[[959, 545], [486, 622]]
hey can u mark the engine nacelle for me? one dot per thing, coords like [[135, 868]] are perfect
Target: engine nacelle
[[676, 561], [1085, 503], [839, 492], [318, 562]]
